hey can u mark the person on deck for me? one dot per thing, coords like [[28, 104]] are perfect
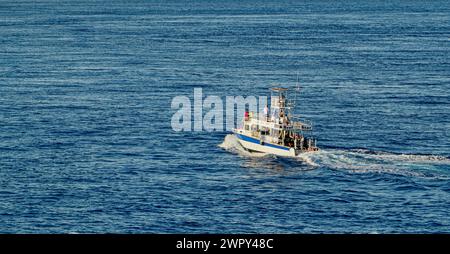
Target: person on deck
[[266, 113]]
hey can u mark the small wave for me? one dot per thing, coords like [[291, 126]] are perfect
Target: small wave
[[230, 142]]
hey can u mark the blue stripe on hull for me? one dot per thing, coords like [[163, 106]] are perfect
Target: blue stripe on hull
[[256, 141]]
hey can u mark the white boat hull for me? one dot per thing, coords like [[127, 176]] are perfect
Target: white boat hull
[[254, 145]]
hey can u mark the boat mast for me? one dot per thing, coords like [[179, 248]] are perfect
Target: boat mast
[[297, 88]]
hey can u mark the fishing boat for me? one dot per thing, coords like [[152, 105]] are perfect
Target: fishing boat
[[276, 130]]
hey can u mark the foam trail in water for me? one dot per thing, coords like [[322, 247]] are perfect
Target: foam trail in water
[[422, 158], [365, 161], [307, 158]]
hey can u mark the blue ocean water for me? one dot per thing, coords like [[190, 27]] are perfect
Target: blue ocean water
[[86, 144]]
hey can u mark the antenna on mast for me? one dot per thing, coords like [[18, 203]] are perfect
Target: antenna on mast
[[297, 89]]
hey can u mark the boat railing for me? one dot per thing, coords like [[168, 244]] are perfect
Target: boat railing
[[301, 123], [296, 122]]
